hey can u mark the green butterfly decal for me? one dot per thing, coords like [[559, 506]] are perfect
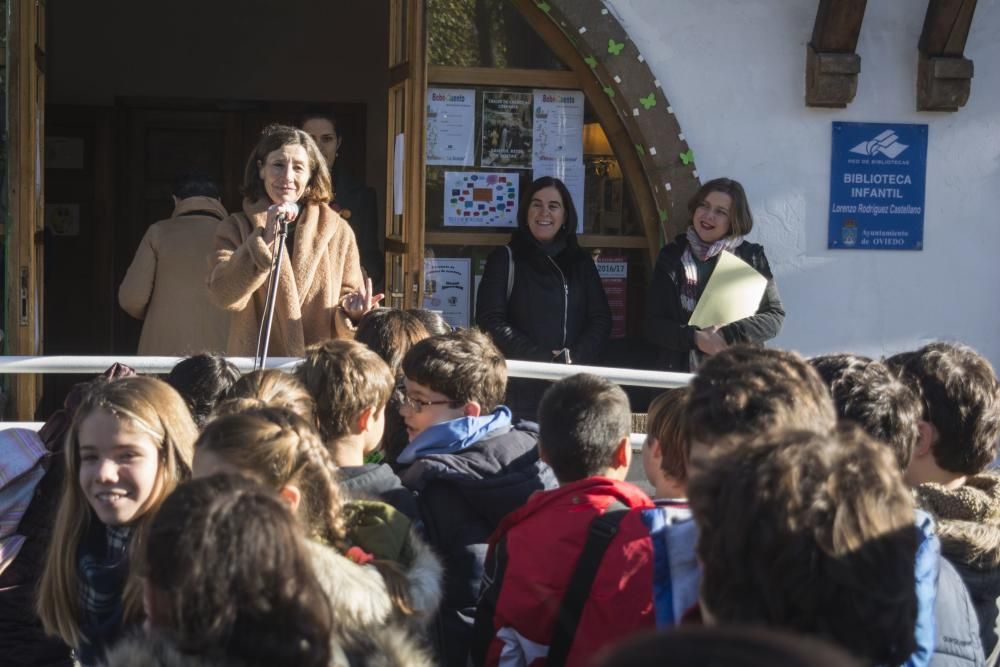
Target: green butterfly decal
[[544, 6], [591, 61], [639, 149], [688, 157], [663, 215], [648, 102], [609, 91], [615, 48]]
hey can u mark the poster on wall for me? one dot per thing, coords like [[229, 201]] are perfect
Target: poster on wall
[[480, 199], [613, 270], [451, 126], [878, 176], [557, 148], [506, 138], [446, 288]]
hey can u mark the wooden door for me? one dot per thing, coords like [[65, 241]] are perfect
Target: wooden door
[[404, 205], [26, 122]]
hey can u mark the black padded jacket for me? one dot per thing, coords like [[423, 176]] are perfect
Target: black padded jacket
[[666, 323]]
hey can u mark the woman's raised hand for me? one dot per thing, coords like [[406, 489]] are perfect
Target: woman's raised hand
[[288, 211], [360, 302]]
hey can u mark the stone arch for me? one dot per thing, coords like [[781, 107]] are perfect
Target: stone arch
[[639, 101]]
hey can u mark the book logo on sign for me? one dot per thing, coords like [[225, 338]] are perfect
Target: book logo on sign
[[886, 143]]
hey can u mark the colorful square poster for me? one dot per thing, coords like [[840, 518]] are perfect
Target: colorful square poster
[[480, 199]]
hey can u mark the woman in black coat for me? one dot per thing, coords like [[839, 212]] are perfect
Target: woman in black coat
[[541, 298], [720, 219]]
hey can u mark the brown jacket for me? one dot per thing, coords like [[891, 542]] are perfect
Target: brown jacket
[[165, 284], [323, 269]]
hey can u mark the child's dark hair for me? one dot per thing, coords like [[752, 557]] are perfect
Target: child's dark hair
[[390, 333], [747, 390], [732, 646], [344, 378], [867, 393], [813, 533], [432, 320], [960, 397], [665, 422], [232, 562], [581, 420], [463, 365], [202, 380]]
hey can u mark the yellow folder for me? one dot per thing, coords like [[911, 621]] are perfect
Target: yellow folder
[[733, 292]]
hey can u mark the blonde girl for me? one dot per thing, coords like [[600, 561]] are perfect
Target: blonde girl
[[283, 452], [130, 443]]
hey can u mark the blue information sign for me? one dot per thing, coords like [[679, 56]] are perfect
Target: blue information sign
[[878, 174]]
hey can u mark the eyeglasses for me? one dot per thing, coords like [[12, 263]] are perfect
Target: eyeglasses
[[417, 405]]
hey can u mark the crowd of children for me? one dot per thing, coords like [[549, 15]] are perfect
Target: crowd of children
[[380, 505]]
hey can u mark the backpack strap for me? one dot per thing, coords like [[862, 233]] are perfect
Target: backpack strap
[[483, 630], [510, 271], [602, 531]]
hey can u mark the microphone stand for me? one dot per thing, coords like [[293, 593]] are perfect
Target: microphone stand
[[264, 336]]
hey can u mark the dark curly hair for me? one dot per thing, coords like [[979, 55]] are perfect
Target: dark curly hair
[[961, 397], [232, 563], [867, 393], [746, 390], [813, 533]]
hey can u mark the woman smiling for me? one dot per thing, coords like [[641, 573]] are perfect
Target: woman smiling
[[720, 220], [320, 288], [541, 298]]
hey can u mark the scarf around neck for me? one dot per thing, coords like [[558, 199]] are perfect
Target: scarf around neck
[[689, 289], [453, 436]]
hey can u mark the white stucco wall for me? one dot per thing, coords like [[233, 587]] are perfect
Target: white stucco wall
[[734, 72]]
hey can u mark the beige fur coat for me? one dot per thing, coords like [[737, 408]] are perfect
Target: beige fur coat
[[165, 284], [324, 267]]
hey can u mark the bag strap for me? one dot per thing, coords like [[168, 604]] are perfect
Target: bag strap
[[510, 271], [483, 630], [602, 531]]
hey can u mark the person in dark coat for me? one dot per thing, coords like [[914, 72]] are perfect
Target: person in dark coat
[[720, 220], [541, 298], [352, 199]]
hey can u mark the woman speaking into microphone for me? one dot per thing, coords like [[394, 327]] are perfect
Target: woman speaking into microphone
[[320, 292]]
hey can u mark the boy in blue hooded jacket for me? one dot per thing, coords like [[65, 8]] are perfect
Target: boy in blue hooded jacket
[[468, 462]]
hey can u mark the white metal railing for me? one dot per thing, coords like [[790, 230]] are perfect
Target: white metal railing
[[635, 439], [515, 368]]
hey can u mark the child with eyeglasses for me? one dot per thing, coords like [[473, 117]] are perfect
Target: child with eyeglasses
[[469, 463]]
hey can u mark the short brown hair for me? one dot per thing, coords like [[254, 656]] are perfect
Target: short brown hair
[[740, 218], [319, 189], [813, 533], [463, 365], [867, 393], [665, 422], [746, 390], [581, 420], [344, 378], [961, 398]]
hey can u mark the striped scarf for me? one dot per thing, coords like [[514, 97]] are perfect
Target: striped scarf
[[689, 289]]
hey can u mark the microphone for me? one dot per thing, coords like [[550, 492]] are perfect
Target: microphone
[[284, 215]]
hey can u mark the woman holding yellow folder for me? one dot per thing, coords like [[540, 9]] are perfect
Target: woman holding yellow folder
[[720, 221]]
